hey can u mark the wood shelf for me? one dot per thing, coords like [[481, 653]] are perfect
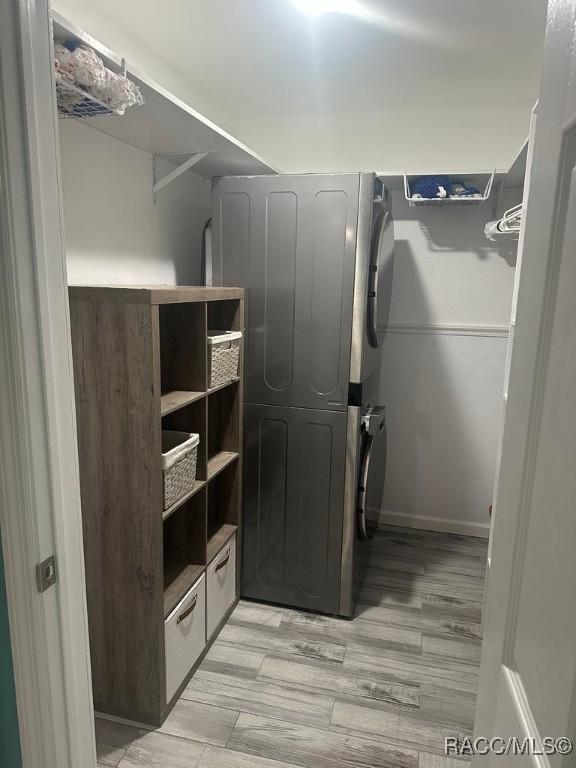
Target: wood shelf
[[172, 401], [153, 294], [220, 461], [217, 538], [198, 485], [223, 386], [179, 585]]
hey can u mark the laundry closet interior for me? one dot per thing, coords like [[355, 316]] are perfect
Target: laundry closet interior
[[291, 239]]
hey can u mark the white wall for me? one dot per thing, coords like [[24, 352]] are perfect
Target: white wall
[[115, 234], [428, 140], [443, 368]]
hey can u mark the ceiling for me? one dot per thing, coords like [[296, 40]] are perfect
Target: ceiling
[[267, 57]]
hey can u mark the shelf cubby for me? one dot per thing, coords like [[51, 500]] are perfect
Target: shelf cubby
[[182, 349], [192, 418], [223, 508], [224, 410], [224, 316], [184, 548]]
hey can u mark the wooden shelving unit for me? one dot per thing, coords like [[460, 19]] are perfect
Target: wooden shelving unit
[[140, 362]]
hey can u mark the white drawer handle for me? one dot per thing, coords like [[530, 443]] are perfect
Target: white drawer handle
[[223, 562], [188, 610]]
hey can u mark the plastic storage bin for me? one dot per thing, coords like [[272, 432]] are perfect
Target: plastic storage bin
[[179, 455], [223, 356]]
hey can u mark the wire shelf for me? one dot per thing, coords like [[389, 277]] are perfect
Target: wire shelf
[[480, 181], [75, 102]]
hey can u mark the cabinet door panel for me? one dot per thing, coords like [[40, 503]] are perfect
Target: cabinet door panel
[[294, 487]]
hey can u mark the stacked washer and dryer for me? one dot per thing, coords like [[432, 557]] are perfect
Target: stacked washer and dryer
[[315, 253]]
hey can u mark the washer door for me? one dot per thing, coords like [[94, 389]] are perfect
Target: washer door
[[371, 481], [381, 272]]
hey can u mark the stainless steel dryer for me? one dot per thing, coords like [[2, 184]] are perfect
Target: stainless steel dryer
[[315, 253]]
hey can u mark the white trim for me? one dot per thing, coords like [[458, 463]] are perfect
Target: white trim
[[442, 524], [523, 713], [488, 331], [40, 502]]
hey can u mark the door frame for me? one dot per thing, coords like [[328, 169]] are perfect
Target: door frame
[[39, 476], [532, 318]]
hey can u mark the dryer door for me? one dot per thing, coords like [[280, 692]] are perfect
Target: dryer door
[[372, 471], [381, 272]]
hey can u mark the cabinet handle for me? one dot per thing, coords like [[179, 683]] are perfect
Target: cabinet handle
[[223, 562], [188, 610]]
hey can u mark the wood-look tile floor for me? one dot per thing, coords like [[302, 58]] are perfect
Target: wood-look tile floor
[[281, 688]]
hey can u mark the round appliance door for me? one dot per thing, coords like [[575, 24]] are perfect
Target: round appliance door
[[371, 481], [381, 272]]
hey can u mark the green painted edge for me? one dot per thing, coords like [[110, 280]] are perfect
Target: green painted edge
[[10, 756]]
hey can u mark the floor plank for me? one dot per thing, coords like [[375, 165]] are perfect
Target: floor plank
[[447, 584], [339, 682], [410, 669], [424, 622], [258, 613], [158, 750], [333, 630], [261, 697], [273, 640], [437, 761], [452, 606], [451, 648], [406, 729], [215, 757], [372, 594], [200, 722], [315, 748], [114, 733], [448, 705], [106, 754], [234, 660]]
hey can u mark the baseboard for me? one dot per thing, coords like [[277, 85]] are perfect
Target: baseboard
[[485, 331], [442, 524], [124, 721]]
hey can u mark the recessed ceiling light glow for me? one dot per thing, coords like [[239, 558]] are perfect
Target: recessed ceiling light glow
[[318, 7]]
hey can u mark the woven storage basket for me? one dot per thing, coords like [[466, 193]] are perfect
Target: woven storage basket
[[179, 455], [223, 357]]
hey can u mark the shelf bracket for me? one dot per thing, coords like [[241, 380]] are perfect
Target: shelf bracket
[[158, 184]]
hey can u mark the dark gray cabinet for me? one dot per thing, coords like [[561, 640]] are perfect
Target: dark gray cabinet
[[294, 481], [291, 241]]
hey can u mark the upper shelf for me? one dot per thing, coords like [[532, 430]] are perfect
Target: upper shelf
[[153, 294], [165, 125], [512, 177]]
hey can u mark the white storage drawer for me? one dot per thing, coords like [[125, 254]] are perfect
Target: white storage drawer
[[221, 585], [185, 636]]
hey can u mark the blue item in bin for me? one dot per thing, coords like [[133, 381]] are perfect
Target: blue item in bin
[[439, 187], [432, 186]]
